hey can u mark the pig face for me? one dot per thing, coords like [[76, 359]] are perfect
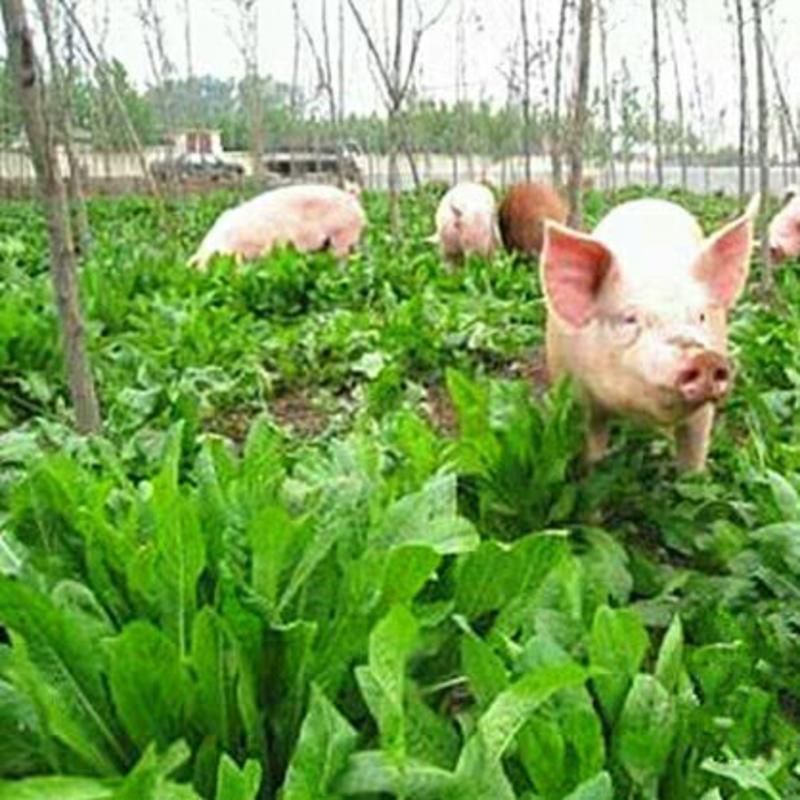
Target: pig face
[[646, 340], [784, 230]]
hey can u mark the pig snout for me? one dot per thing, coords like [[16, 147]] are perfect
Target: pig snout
[[706, 377]]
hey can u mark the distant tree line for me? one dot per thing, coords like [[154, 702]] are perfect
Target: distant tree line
[[430, 126]]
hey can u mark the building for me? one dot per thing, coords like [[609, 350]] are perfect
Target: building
[[194, 140]]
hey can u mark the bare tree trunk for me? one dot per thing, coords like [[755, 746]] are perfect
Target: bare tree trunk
[[763, 139], [681, 108], [396, 82], [61, 104], [294, 97], [114, 94], [555, 133], [742, 99], [394, 174], [602, 21], [187, 38], [783, 103], [657, 94], [22, 62], [341, 62], [574, 189], [526, 88]]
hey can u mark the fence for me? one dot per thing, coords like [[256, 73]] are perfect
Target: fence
[[122, 171]]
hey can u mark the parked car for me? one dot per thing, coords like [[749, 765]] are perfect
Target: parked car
[[195, 165]]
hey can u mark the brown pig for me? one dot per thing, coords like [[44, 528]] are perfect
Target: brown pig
[[523, 213], [309, 217], [784, 230], [637, 315], [466, 222]]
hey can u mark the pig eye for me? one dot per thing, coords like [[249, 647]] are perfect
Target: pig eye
[[702, 316], [630, 318]]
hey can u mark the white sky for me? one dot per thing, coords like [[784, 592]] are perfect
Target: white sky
[[491, 30]]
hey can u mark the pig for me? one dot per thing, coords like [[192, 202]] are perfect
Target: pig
[[309, 217], [523, 212], [784, 230], [466, 222], [637, 316]]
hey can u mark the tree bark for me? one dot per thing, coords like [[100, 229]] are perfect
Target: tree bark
[[763, 137], [783, 103], [526, 88], [602, 21], [574, 189], [61, 106], [555, 133], [657, 94], [22, 62], [742, 99], [681, 109], [116, 99]]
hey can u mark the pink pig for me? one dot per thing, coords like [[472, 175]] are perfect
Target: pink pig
[[637, 315], [466, 222], [784, 230], [309, 217]]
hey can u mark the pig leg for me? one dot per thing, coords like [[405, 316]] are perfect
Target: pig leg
[[692, 438], [596, 435], [342, 243]]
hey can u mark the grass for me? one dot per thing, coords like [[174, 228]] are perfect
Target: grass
[[333, 542]]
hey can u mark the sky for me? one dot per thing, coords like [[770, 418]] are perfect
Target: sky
[[491, 34]]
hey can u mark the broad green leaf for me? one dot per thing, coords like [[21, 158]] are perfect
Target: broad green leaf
[[21, 744], [781, 544], [618, 644], [746, 774], [485, 672], [785, 496], [214, 662], [234, 783], [271, 533], [382, 682], [63, 669], [598, 788], [428, 517], [408, 569], [149, 686], [57, 788], [148, 779], [496, 573], [645, 730], [562, 744], [505, 717], [326, 741], [431, 737], [373, 772], [179, 555], [670, 657]]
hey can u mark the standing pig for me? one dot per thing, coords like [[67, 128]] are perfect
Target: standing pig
[[637, 315], [309, 217], [784, 230], [466, 222], [523, 213]]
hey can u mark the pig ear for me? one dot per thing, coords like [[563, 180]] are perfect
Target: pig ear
[[725, 260], [573, 268]]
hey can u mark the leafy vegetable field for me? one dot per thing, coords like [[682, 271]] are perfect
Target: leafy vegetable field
[[336, 540]]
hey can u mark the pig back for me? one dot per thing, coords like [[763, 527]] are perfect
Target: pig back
[[523, 212]]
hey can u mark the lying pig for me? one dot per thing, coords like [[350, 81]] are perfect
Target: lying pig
[[784, 230], [637, 315], [309, 217], [523, 213], [466, 222]]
